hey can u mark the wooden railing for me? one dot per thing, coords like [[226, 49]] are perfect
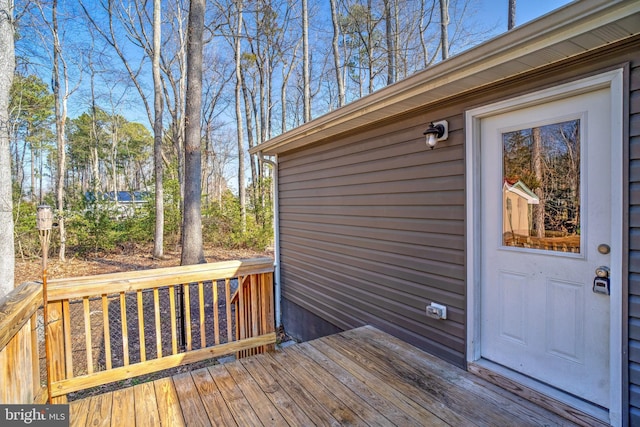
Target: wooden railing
[[117, 326], [19, 354], [200, 295]]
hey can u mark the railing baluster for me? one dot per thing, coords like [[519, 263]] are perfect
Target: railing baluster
[[203, 333], [35, 353], [172, 307], [255, 326], [267, 310], [186, 311], [241, 295], [107, 332], [54, 327], [143, 347], [249, 311], [227, 303], [156, 309], [125, 333], [68, 350], [87, 334], [216, 317]]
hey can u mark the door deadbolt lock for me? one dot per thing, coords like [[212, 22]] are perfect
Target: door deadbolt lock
[[601, 283]]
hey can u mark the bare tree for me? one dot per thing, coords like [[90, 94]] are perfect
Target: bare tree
[[238, 60], [426, 18], [192, 248], [7, 65], [174, 67], [131, 22], [390, 19], [336, 52], [158, 103], [287, 68], [60, 81], [305, 63], [216, 75]]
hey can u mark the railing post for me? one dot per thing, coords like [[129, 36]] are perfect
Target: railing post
[[55, 334]]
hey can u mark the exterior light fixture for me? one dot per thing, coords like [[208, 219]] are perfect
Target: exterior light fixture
[[437, 131], [44, 223]]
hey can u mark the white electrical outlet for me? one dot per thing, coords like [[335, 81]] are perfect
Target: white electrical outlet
[[437, 311]]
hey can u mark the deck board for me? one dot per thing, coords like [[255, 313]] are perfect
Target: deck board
[[193, 409], [338, 390], [296, 390], [358, 377], [214, 404], [123, 406], [146, 406], [169, 408], [289, 409], [263, 407], [99, 413], [241, 409], [371, 389], [78, 412]]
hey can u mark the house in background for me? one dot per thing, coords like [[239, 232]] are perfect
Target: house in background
[[373, 227], [517, 200], [119, 204]]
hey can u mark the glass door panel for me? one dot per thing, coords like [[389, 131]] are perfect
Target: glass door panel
[[541, 187]]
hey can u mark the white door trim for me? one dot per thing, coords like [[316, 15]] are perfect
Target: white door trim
[[614, 81]]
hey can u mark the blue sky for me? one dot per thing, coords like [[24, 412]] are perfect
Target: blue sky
[[526, 10]]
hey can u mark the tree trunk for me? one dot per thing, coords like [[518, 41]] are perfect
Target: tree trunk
[[158, 103], [241, 178], [306, 106], [61, 118], [7, 65], [444, 28], [336, 52], [192, 249], [370, 45], [539, 210], [250, 112], [512, 14], [33, 172], [391, 48]]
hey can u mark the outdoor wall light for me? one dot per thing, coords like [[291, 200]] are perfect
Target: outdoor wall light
[[437, 131]]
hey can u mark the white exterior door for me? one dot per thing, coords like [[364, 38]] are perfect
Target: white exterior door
[[545, 218]]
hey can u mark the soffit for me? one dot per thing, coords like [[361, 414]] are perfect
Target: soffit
[[577, 28]]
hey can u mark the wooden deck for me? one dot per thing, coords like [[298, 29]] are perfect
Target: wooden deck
[[358, 377]]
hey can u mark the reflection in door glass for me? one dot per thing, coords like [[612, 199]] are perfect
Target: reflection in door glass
[[541, 187]]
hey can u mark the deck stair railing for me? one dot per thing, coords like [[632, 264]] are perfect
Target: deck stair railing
[[117, 326]]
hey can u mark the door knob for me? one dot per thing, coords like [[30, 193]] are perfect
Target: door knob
[[601, 282]]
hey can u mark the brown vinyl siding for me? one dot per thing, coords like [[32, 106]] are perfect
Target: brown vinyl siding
[[372, 222], [372, 230], [634, 243]]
